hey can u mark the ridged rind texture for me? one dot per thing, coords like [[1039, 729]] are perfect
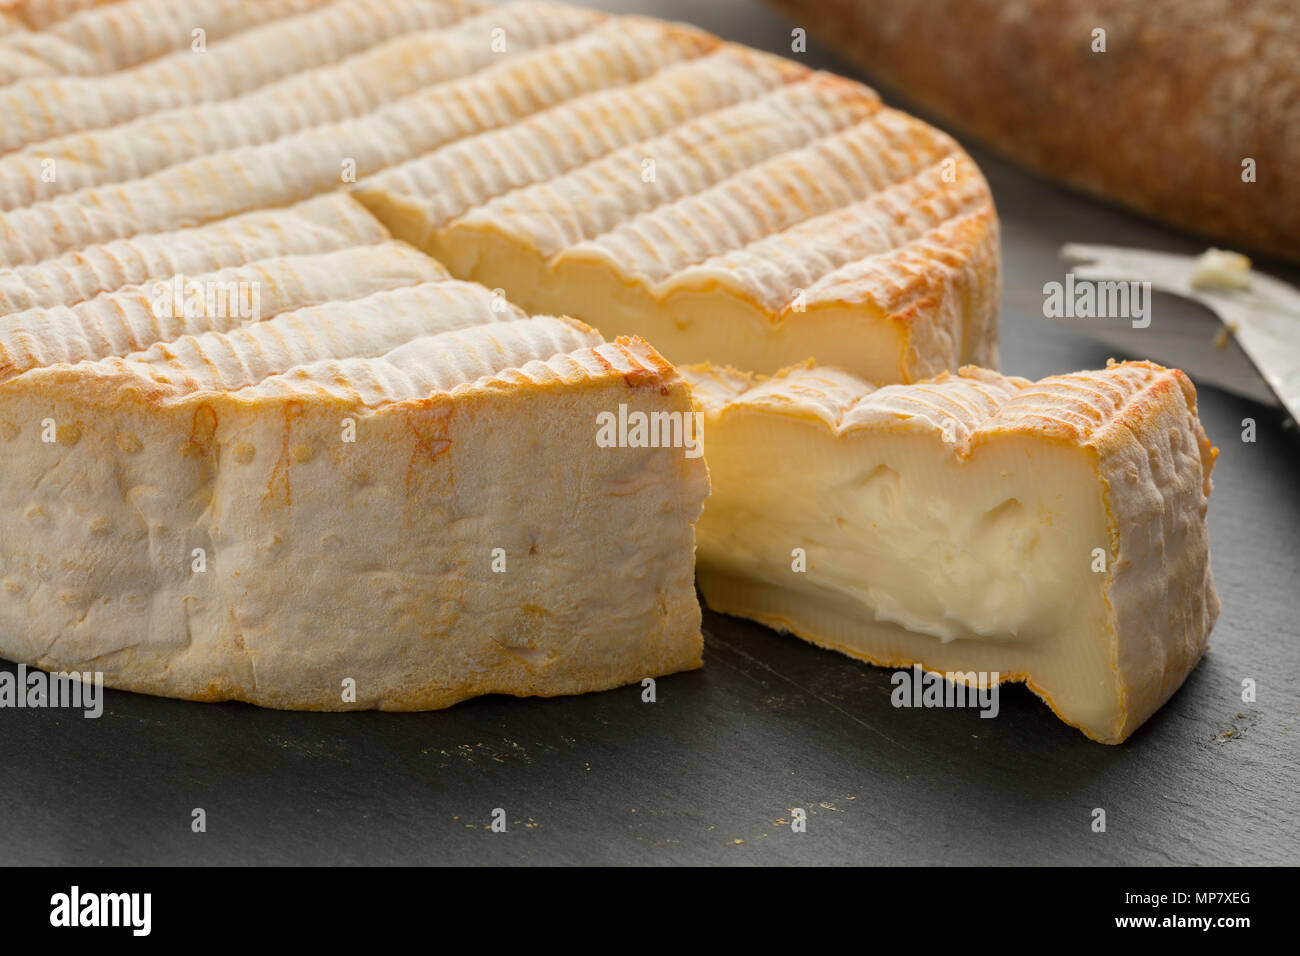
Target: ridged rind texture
[[1138, 424], [324, 158], [358, 84], [119, 35], [430, 364], [135, 317], [47, 106], [433, 189], [236, 359], [323, 224], [39, 14], [703, 155]]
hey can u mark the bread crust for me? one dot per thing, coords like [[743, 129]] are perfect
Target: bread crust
[[1161, 122]]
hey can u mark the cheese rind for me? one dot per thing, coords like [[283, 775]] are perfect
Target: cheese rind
[[325, 158], [118, 35], [418, 197], [46, 105], [1051, 532], [324, 224], [136, 317]]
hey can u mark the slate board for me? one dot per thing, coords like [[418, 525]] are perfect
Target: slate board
[[710, 772]]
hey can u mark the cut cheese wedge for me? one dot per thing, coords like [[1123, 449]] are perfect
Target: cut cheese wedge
[[396, 502], [1050, 532]]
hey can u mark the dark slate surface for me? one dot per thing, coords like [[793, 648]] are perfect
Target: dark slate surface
[[709, 773]]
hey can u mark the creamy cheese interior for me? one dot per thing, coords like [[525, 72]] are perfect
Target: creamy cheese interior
[[914, 554]]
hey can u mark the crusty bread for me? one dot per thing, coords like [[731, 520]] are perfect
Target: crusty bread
[[1162, 121]]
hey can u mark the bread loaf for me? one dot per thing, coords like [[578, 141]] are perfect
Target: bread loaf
[[1186, 110]]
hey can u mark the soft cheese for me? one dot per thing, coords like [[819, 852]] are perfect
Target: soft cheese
[[1051, 532], [179, 504], [394, 502], [329, 156], [646, 177]]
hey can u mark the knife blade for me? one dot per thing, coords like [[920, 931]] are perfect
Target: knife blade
[[1263, 315]]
